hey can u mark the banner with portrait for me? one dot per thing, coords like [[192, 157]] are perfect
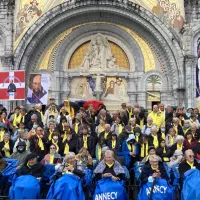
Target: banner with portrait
[[12, 85], [38, 89]]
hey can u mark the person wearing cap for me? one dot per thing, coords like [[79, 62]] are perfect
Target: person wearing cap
[[50, 113], [130, 151], [154, 169], [177, 158], [151, 151], [22, 137], [32, 167], [21, 153], [69, 108], [6, 146], [190, 141]]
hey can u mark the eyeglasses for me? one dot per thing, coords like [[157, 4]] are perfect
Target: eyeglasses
[[191, 156]]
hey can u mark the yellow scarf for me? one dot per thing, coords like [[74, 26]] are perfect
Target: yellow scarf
[[99, 152], [185, 130], [141, 123], [52, 112], [137, 138], [113, 144], [51, 159], [16, 120], [190, 164], [171, 141], [22, 119], [85, 141], [179, 147], [6, 145], [41, 114], [166, 159], [40, 143], [130, 113], [105, 135], [1, 135], [76, 127], [109, 165], [66, 149], [190, 141], [101, 128], [155, 140], [154, 168], [120, 127], [64, 136], [56, 144], [176, 129], [163, 135], [50, 135], [131, 147], [144, 150]]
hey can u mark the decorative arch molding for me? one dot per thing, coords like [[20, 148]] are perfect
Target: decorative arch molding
[[143, 80], [126, 11], [113, 33]]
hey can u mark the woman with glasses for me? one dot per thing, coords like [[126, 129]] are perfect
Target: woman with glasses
[[154, 169], [52, 157]]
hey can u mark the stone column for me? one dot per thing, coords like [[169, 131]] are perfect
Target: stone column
[[98, 87], [132, 88], [65, 86]]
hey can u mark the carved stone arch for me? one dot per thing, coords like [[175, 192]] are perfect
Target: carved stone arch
[[112, 32], [127, 12], [143, 80]]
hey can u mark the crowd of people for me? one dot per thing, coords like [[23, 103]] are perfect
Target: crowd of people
[[109, 143]]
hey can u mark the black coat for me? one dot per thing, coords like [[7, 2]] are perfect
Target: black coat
[[34, 148], [173, 148], [148, 171], [160, 153], [150, 140], [2, 145], [36, 170], [117, 147], [101, 136], [71, 143], [183, 167], [29, 126], [90, 145]]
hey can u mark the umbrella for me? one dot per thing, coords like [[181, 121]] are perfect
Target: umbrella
[[80, 102], [96, 104]]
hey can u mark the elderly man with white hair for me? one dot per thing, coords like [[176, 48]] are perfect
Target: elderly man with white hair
[[147, 128], [188, 163], [178, 144], [154, 169]]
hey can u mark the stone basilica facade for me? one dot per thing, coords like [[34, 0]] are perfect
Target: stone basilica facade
[[111, 50]]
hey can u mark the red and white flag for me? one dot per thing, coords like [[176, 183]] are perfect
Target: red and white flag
[[12, 85]]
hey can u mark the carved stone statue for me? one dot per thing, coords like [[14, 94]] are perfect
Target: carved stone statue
[[99, 56]]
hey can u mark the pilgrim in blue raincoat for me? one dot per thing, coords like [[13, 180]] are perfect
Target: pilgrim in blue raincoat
[[191, 185], [66, 187], [129, 151], [161, 190], [25, 187], [108, 189]]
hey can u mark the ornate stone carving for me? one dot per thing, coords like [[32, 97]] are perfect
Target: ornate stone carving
[[99, 56]]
